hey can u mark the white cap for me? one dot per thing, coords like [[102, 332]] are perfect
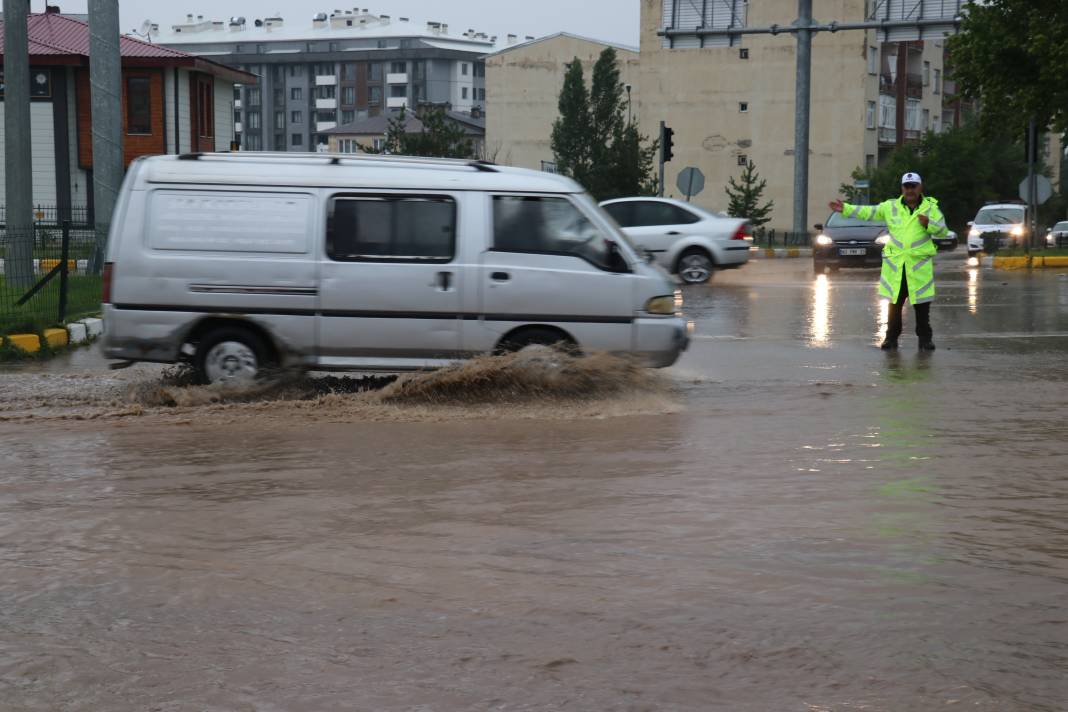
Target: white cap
[[911, 178]]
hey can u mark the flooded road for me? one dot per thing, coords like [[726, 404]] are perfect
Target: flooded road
[[789, 519]]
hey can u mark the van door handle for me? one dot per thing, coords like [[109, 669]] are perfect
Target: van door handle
[[444, 280], [500, 276], [673, 232]]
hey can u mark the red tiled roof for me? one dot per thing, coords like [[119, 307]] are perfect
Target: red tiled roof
[[52, 34]]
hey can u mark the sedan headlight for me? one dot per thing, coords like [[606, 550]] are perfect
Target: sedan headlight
[[662, 305], [882, 239], [1051, 238], [824, 240], [1018, 231], [973, 233]]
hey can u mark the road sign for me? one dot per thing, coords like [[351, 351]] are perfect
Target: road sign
[[862, 184], [691, 181], [1043, 188]]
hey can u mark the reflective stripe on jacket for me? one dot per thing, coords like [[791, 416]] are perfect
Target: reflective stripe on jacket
[[911, 247]]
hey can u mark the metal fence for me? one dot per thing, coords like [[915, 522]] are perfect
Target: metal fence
[[765, 237], [46, 272]]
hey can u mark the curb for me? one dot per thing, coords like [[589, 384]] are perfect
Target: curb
[[1032, 262], [780, 252], [75, 333]]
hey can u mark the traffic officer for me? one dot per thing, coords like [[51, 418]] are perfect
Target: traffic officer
[[908, 256]]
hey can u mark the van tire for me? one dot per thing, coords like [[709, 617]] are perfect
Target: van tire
[[538, 336], [695, 266], [232, 350]]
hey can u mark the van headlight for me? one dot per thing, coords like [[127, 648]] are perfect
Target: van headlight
[[973, 233], [882, 239], [662, 305], [824, 240]]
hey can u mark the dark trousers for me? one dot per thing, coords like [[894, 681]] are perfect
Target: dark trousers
[[923, 315]]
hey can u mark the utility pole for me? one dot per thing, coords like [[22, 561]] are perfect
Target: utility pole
[[662, 161], [105, 78], [1032, 185], [18, 188], [802, 103]]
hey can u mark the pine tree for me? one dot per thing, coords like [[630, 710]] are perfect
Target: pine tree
[[592, 141], [439, 137], [745, 197], [571, 138]]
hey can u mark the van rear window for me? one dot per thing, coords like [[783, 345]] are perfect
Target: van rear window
[[229, 222], [391, 228]]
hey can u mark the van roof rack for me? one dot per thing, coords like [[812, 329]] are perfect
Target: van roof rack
[[340, 159]]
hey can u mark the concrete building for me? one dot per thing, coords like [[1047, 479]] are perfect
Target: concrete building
[[173, 103], [370, 133], [732, 104], [334, 69], [523, 83]]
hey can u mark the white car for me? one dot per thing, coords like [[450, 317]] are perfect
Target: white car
[[684, 239], [997, 226], [1057, 236]]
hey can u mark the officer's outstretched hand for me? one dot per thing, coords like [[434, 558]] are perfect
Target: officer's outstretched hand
[[924, 220], [835, 205]]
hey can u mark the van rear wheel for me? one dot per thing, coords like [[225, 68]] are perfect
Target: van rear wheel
[[231, 355]]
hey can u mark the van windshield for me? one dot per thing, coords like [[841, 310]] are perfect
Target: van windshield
[[999, 216]]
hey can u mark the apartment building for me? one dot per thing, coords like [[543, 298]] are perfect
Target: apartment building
[[334, 69], [734, 103]]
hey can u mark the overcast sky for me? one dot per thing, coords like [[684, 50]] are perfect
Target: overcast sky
[[611, 20]]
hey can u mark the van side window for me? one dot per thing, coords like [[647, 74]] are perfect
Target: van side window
[[362, 228], [550, 226]]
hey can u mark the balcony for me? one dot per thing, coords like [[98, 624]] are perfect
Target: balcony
[[913, 86], [397, 102], [325, 125], [237, 103], [326, 103], [329, 80], [237, 127], [399, 78]]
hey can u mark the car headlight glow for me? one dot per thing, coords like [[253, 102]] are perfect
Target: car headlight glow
[[1018, 231], [824, 240], [973, 233], [1050, 238], [662, 305], [882, 239]]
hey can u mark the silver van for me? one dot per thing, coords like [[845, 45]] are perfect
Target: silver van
[[240, 262]]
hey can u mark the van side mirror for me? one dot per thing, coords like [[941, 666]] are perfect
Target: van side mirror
[[819, 227], [616, 261]]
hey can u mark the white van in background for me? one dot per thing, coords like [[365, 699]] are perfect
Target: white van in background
[[237, 262]]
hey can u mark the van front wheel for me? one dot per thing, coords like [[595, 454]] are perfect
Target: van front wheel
[[230, 355]]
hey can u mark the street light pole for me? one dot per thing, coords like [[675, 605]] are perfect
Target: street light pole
[[18, 187], [802, 102], [105, 79]]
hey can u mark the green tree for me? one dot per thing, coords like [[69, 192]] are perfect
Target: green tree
[[439, 137], [593, 142], [1012, 55], [745, 197]]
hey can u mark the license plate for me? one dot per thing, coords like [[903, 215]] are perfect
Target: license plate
[[848, 251]]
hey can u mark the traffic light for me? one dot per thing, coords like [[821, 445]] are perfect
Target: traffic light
[[667, 143]]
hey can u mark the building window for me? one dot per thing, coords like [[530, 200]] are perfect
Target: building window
[[870, 118], [254, 96], [253, 142], [296, 70], [326, 115], [138, 105], [348, 95], [743, 53], [237, 116], [463, 68], [348, 72], [382, 44], [480, 69], [419, 70], [391, 227], [926, 119], [374, 71], [296, 117], [374, 96], [279, 142], [743, 159], [324, 69], [481, 94], [253, 121], [398, 91], [873, 60], [869, 162], [296, 94], [279, 97], [938, 81], [279, 119], [743, 107], [463, 93], [398, 68], [926, 74], [326, 92], [379, 144], [347, 117], [278, 73], [296, 140]]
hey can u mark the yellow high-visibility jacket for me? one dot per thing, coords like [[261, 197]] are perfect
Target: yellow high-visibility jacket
[[910, 247]]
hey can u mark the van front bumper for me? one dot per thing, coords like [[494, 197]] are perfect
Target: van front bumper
[[659, 341]]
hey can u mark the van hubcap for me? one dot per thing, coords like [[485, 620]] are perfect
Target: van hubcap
[[230, 361], [695, 268]]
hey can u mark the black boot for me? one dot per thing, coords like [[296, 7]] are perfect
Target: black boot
[[927, 346], [889, 345]]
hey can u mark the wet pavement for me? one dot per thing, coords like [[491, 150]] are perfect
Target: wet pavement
[[789, 519]]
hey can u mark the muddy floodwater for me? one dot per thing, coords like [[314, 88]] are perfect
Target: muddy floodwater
[[788, 519]]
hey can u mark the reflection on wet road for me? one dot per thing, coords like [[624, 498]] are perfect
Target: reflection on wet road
[[822, 526]]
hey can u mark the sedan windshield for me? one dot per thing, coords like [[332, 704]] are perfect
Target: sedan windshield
[[839, 220], [1061, 227], [999, 216]]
